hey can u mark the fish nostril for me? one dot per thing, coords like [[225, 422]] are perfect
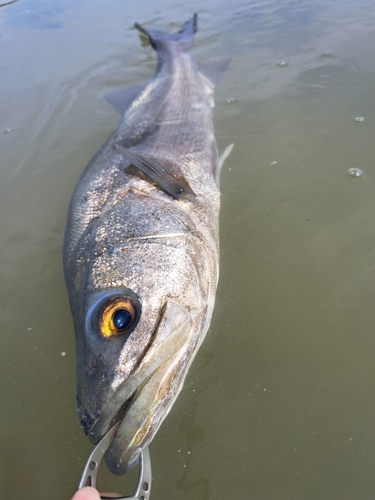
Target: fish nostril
[[93, 362], [86, 422], [92, 367]]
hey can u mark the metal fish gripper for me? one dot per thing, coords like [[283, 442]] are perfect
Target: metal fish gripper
[[143, 487]]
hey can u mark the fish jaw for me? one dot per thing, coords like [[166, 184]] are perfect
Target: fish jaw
[[143, 400], [150, 406]]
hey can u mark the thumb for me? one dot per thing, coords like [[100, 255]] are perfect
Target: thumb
[[86, 493]]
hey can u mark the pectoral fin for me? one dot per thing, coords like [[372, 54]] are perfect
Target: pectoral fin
[[167, 175], [220, 163]]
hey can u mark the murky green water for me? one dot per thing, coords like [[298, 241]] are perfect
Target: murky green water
[[280, 402]]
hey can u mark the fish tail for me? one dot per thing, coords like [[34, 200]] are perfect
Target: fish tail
[[190, 27], [184, 38]]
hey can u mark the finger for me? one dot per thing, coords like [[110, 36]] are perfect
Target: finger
[[86, 493]]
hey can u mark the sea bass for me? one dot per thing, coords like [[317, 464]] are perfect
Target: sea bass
[[141, 250]]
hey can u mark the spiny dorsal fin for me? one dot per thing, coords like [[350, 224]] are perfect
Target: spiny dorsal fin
[[168, 176]]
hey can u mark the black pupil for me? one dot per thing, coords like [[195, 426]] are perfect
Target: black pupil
[[121, 319]]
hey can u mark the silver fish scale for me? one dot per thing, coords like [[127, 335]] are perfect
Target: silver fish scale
[[126, 234], [152, 216]]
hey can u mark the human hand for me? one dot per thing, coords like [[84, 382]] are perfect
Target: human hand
[[88, 493]]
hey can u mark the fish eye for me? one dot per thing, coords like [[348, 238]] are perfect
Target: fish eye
[[117, 316], [121, 319]]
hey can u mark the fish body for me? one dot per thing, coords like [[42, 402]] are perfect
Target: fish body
[[141, 251]]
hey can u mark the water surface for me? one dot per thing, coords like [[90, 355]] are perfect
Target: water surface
[[280, 401]]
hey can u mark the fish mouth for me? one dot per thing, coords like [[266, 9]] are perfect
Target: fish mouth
[[144, 399]]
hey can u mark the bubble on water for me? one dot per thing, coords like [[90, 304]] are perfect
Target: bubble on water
[[355, 172], [230, 100], [359, 119], [273, 163], [281, 63]]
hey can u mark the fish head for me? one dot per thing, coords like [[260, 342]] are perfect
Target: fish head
[[140, 312]]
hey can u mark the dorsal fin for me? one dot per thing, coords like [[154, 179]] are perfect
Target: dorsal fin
[[122, 99], [214, 70]]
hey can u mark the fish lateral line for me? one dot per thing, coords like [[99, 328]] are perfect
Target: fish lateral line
[[161, 236]]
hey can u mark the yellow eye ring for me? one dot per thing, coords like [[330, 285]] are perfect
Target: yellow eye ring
[[117, 317]]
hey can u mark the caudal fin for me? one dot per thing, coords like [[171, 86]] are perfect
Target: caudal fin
[[184, 37]]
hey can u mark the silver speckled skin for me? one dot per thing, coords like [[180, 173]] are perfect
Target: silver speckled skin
[[127, 235]]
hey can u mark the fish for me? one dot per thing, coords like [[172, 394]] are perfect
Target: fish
[[141, 249]]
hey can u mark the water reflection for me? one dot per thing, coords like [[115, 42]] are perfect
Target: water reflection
[[193, 435]]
